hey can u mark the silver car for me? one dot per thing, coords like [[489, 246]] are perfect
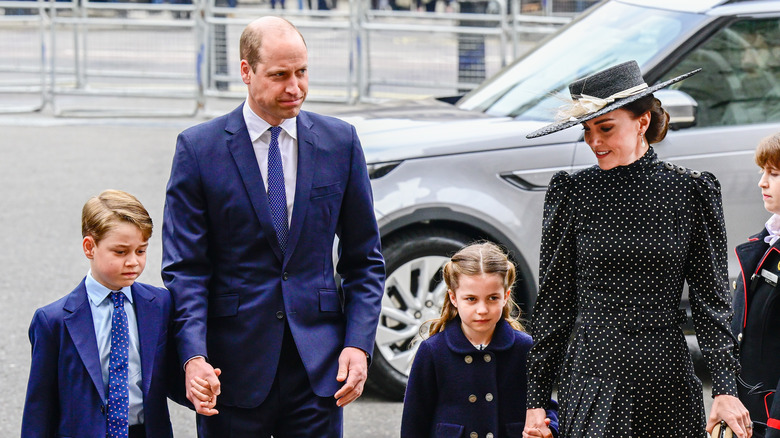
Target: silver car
[[444, 175]]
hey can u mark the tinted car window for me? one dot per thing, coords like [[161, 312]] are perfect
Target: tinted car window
[[535, 87], [738, 84]]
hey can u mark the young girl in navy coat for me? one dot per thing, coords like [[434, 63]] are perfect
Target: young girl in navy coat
[[468, 378]]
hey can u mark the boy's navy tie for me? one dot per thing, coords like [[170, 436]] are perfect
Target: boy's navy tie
[[118, 398], [277, 198]]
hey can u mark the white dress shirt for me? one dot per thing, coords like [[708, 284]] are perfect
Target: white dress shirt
[[288, 147]]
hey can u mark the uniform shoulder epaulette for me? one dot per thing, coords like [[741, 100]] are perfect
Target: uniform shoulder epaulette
[[682, 170]]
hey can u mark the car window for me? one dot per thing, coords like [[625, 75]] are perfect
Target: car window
[[738, 84], [536, 86]]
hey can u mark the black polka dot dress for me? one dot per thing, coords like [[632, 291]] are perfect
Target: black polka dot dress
[[617, 247]]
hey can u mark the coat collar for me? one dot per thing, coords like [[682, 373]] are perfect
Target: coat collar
[[240, 146], [78, 320], [750, 252], [503, 337]]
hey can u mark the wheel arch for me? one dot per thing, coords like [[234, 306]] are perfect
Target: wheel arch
[[475, 228]]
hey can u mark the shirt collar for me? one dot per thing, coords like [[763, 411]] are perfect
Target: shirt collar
[[256, 126], [773, 226], [97, 292]]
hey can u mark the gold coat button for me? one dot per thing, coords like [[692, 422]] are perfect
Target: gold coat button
[[734, 284], [473, 435], [472, 398], [739, 337], [489, 397], [468, 359], [488, 358]]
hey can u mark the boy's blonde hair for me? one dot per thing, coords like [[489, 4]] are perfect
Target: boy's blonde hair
[[477, 258], [103, 212], [768, 152]]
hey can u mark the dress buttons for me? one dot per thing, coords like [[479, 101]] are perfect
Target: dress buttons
[[473, 435], [468, 359], [739, 337], [285, 276], [489, 397], [695, 173], [681, 170], [488, 358], [472, 398], [669, 165], [280, 315]]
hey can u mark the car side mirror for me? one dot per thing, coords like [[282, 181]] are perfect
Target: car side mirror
[[680, 106]]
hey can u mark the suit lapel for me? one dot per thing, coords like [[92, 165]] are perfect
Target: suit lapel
[[240, 146], [307, 157], [82, 329], [148, 314]]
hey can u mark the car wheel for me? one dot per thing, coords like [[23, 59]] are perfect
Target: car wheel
[[414, 294]]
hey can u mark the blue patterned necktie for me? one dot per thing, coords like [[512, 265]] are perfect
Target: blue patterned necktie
[[118, 398], [277, 198]]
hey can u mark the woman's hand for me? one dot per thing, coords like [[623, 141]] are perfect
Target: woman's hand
[[729, 408], [537, 424]]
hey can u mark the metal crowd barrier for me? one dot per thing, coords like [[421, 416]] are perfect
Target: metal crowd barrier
[[129, 55], [126, 58], [23, 64]]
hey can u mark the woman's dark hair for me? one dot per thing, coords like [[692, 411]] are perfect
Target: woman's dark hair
[[659, 118]]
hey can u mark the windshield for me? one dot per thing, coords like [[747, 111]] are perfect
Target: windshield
[[536, 86]]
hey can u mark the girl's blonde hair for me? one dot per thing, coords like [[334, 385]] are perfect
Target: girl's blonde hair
[[475, 259]]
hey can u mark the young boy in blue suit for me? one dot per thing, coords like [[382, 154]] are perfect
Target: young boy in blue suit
[[99, 353]]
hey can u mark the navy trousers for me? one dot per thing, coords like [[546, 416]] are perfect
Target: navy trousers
[[291, 410]]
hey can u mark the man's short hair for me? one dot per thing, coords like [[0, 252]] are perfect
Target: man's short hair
[[103, 212], [252, 40]]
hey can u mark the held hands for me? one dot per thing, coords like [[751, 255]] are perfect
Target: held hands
[[729, 408], [201, 383], [353, 367], [537, 424]]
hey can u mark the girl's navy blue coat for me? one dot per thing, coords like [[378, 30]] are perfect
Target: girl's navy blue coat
[[455, 390]]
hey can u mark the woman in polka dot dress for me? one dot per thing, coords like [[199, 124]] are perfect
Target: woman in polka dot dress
[[618, 242]]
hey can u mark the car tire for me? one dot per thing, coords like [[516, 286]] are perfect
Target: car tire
[[414, 294]]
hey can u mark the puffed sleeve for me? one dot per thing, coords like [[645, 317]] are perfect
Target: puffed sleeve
[[421, 395], [706, 271], [556, 306]]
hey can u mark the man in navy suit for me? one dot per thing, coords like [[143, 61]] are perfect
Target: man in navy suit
[[255, 295], [73, 348]]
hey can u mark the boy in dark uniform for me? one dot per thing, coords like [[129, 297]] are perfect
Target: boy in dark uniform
[[756, 322]]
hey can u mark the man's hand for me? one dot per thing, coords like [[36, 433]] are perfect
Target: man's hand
[[729, 408], [201, 383], [353, 367]]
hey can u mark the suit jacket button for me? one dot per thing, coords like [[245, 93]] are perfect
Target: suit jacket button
[[472, 398], [489, 435], [285, 276], [487, 358], [280, 315], [473, 435], [468, 359], [489, 397]]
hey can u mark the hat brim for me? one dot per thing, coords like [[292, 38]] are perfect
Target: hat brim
[[559, 126]]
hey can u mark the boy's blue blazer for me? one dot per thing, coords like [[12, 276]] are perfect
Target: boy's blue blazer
[[65, 395]]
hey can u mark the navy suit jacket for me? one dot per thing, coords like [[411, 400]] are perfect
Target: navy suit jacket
[[232, 286], [65, 393]]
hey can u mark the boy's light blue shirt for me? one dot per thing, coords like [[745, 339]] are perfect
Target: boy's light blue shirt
[[102, 311]]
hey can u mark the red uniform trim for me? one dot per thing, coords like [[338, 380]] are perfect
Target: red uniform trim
[[767, 406], [752, 239], [744, 288], [773, 423]]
